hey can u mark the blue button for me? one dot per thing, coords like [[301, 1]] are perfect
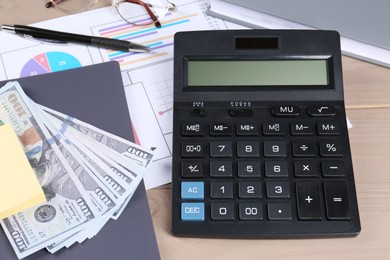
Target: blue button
[[192, 190], [192, 211]]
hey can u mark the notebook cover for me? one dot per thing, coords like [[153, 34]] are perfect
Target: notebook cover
[[95, 94]]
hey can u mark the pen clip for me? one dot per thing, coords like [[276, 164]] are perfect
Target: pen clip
[[43, 39]]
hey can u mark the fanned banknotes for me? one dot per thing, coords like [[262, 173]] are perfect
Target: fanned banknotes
[[88, 175]]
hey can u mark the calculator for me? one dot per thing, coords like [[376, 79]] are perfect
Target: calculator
[[260, 138]]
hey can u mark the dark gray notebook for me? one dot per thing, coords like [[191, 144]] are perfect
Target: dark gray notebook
[[95, 94]]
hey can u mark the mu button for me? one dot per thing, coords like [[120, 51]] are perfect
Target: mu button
[[284, 111]]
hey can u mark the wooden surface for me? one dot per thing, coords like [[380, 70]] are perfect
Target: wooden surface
[[367, 96]]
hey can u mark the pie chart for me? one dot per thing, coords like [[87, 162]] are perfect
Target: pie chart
[[49, 62]]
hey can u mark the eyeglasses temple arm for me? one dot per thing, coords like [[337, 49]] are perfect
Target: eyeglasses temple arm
[[51, 4], [151, 14]]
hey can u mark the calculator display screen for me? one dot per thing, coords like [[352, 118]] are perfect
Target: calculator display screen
[[257, 73]]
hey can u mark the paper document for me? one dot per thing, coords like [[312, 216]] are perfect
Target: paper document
[[147, 77]]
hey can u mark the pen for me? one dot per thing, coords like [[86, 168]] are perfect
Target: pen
[[63, 37]]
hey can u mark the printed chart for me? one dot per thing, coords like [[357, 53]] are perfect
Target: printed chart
[[160, 40], [49, 62]]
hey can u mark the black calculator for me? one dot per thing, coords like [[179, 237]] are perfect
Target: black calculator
[[260, 138]]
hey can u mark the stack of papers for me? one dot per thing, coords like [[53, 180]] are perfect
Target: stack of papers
[[87, 175]]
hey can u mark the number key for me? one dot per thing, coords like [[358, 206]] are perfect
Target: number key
[[221, 169], [221, 149], [249, 190], [192, 149], [222, 211], [248, 169], [278, 190], [250, 211], [221, 190]]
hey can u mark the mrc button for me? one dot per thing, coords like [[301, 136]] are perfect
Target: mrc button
[[192, 129]]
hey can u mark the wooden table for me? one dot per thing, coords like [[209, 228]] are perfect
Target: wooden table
[[367, 97]]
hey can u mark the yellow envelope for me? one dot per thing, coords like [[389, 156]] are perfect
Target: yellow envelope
[[19, 187]]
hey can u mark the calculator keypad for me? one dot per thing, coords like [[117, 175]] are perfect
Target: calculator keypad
[[286, 166]]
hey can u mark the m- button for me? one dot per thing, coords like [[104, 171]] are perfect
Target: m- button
[[220, 129]]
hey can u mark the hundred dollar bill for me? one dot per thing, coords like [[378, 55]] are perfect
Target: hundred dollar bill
[[103, 199], [120, 172], [132, 177], [123, 146], [131, 165], [122, 179], [92, 231], [67, 209]]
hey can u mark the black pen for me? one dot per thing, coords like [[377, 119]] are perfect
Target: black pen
[[63, 37]]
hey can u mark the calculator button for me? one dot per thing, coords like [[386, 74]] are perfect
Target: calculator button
[[285, 111], [330, 149], [221, 169], [248, 169], [247, 129], [249, 190], [303, 149], [322, 111], [192, 150], [335, 168], [302, 129], [305, 169], [336, 198], [279, 211], [192, 169], [191, 129], [273, 129], [248, 149], [276, 169], [222, 211], [220, 129], [328, 129], [240, 112], [198, 112], [221, 190], [278, 189], [192, 190], [274, 149], [221, 149], [308, 201], [250, 211], [192, 211]]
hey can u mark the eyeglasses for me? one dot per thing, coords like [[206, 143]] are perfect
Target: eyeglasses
[[128, 10]]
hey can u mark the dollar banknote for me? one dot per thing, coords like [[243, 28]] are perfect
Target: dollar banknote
[[67, 209], [116, 143], [88, 175]]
